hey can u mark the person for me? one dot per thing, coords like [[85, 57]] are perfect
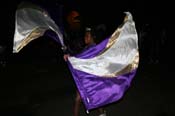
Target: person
[[73, 32], [89, 42]]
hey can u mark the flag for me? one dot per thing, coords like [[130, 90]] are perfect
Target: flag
[[101, 73], [104, 72], [31, 22]]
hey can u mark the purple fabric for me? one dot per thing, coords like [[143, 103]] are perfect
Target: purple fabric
[[93, 51], [99, 91]]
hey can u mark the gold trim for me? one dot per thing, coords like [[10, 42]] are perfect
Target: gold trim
[[33, 35], [111, 41], [126, 69], [114, 36]]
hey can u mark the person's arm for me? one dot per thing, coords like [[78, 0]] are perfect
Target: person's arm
[[66, 57]]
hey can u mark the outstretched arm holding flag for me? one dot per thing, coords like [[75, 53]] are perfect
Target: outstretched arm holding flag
[[89, 39]]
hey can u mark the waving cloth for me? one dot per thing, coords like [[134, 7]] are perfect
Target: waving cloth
[[31, 23], [104, 72]]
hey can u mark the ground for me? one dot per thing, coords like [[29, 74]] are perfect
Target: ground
[[46, 90]]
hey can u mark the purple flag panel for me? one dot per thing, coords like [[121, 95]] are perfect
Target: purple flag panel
[[104, 72], [98, 91]]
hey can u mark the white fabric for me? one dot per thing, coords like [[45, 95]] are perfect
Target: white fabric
[[103, 114], [30, 19], [117, 57]]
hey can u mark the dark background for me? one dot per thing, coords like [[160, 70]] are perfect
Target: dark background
[[36, 81]]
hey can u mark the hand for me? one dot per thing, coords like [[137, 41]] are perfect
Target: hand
[[66, 57]]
